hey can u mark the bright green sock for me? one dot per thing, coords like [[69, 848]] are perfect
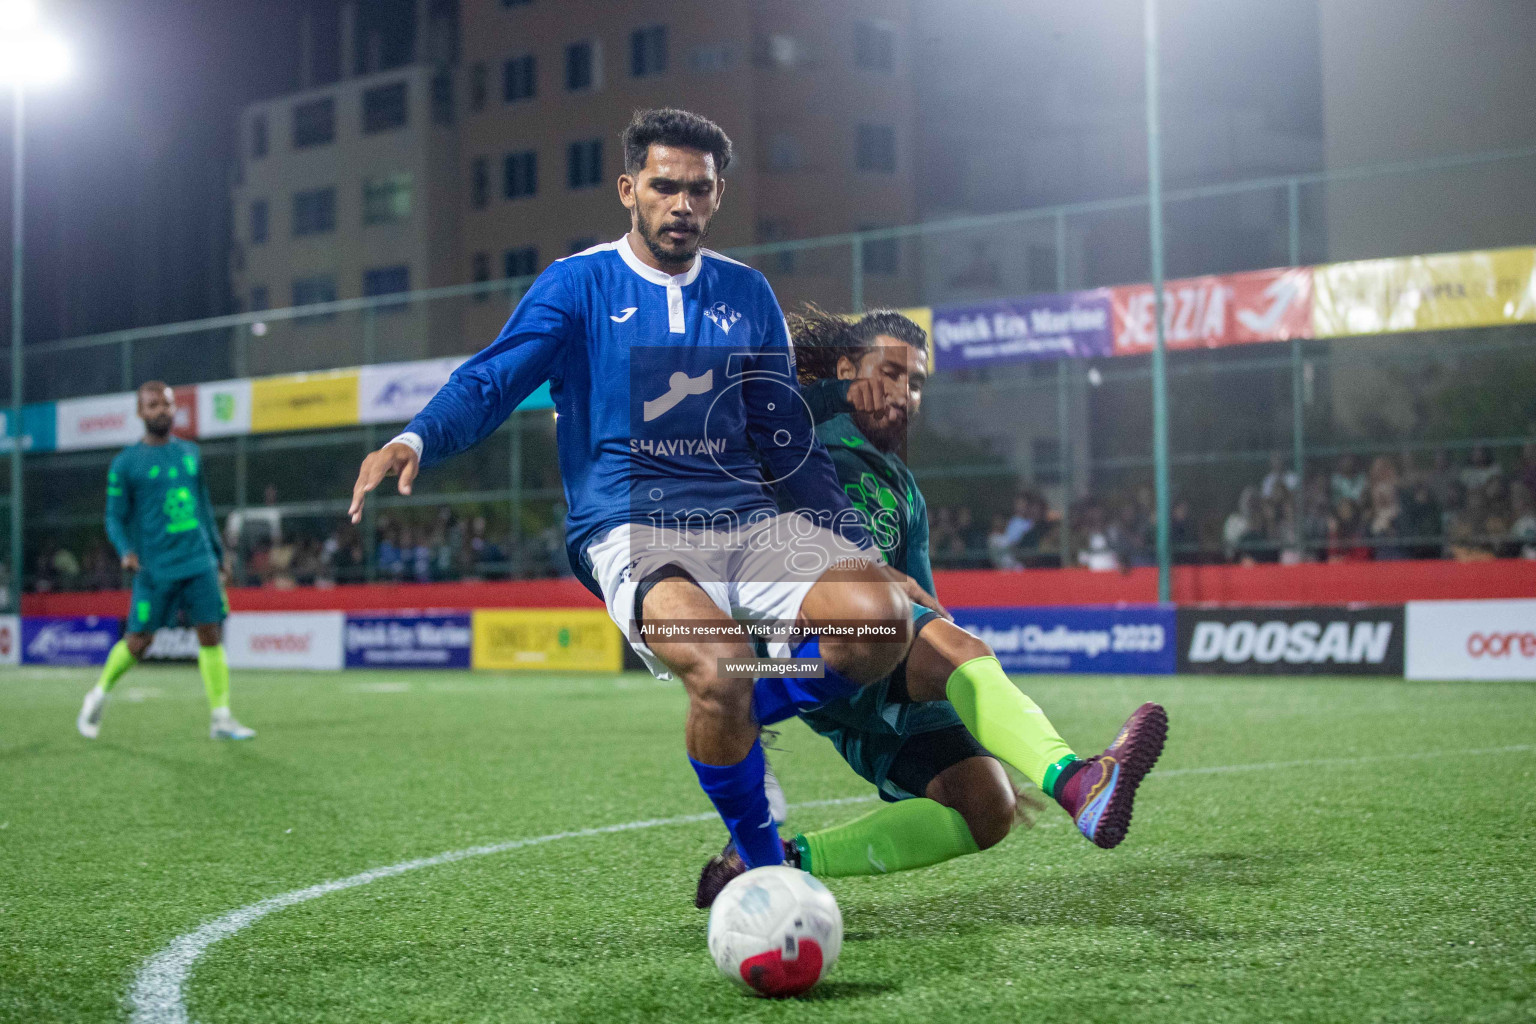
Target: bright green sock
[[1008, 723], [214, 668], [897, 837], [119, 660]]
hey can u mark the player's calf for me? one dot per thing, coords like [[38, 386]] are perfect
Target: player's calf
[[982, 793]]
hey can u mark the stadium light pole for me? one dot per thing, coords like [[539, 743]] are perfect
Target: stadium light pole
[[29, 55], [1159, 349]]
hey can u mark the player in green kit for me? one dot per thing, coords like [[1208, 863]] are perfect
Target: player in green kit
[[932, 736], [160, 521]]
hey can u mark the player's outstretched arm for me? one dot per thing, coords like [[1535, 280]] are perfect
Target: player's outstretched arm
[[393, 459]]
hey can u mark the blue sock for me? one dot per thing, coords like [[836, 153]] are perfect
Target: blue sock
[[737, 792], [776, 698]]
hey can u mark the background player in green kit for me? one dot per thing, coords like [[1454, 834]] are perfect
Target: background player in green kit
[[930, 736], [160, 521]]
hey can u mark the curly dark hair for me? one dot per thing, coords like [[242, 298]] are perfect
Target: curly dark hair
[[668, 126], [822, 338]]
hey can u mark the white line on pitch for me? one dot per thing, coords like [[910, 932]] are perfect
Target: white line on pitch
[[156, 996]]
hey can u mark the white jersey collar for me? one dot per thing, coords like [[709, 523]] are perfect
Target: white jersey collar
[[653, 275]]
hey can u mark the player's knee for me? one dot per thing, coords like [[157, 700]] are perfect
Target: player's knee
[[711, 692], [138, 643], [883, 610], [989, 814]]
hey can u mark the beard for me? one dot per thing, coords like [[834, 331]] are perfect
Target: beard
[[661, 253], [160, 426], [888, 437]]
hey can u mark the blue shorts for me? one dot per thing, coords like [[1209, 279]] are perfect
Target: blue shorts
[[160, 603]]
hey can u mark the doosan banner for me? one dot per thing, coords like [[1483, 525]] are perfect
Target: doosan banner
[[1073, 325], [1323, 640], [1134, 640]]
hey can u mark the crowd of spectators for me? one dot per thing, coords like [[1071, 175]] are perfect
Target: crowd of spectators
[[1389, 508]]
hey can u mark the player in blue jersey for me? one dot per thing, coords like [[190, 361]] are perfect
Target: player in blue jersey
[[678, 414]]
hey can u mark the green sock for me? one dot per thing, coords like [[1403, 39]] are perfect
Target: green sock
[[119, 660], [1008, 723], [215, 671], [897, 837]]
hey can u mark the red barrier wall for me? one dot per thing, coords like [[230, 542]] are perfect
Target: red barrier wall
[[1348, 583]]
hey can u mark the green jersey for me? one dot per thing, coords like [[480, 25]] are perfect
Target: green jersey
[[158, 508]]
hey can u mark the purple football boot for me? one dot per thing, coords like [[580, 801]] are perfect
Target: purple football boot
[[1100, 793]]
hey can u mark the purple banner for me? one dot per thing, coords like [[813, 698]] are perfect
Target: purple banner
[[1074, 325]]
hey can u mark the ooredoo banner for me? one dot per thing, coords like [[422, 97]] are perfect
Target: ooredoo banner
[[1212, 312], [1292, 641], [83, 640], [311, 640], [104, 421], [1073, 325], [409, 641], [1471, 640], [1134, 640]]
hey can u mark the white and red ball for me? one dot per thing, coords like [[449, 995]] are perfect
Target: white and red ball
[[775, 931]]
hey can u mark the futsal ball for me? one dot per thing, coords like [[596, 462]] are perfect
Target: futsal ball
[[775, 931]]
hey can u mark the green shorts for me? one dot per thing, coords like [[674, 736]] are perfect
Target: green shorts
[[160, 603]]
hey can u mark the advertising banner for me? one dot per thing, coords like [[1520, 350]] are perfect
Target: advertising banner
[[409, 641], [10, 640], [566, 639], [224, 408], [304, 401], [186, 412], [1471, 640], [1212, 312], [103, 421], [67, 641], [174, 643], [38, 428], [1134, 640], [1071, 325], [1425, 293], [1331, 641], [394, 392], [284, 639]]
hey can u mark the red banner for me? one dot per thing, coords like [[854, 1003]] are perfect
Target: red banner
[[186, 412], [1210, 312]]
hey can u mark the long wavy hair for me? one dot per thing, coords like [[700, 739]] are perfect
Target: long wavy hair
[[822, 338]]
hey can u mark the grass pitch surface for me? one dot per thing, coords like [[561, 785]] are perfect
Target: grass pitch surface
[[1321, 850]]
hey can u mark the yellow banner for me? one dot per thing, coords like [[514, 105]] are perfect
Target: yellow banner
[[304, 401], [1424, 293], [923, 317], [561, 639]]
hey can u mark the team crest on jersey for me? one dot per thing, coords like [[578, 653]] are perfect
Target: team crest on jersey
[[724, 316]]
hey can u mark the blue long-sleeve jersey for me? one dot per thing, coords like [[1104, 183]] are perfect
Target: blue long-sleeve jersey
[[675, 397]]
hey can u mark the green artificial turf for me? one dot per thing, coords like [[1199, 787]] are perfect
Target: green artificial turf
[[1392, 879]]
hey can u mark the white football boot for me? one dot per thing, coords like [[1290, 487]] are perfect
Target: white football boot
[[778, 806], [224, 727], [89, 719]]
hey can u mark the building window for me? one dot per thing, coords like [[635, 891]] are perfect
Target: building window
[[258, 221], [880, 257], [386, 199], [648, 51], [581, 244], [259, 300], [314, 123], [478, 87], [314, 212], [258, 136], [711, 58], [442, 97], [384, 108], [386, 280], [785, 153], [779, 51], [318, 288], [480, 182], [584, 163], [874, 46], [518, 79], [1045, 455], [581, 70], [773, 229], [523, 262], [876, 148], [480, 272], [520, 175]]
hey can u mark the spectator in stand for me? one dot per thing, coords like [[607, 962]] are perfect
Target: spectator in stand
[[1386, 509], [280, 565], [1345, 531], [419, 558], [1317, 514], [1467, 534], [1244, 527], [1527, 473], [1129, 537], [1182, 537], [1479, 469], [1420, 522], [1278, 477], [973, 537], [390, 554], [1094, 551], [999, 551], [1347, 482], [1522, 530], [1444, 482], [943, 542]]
